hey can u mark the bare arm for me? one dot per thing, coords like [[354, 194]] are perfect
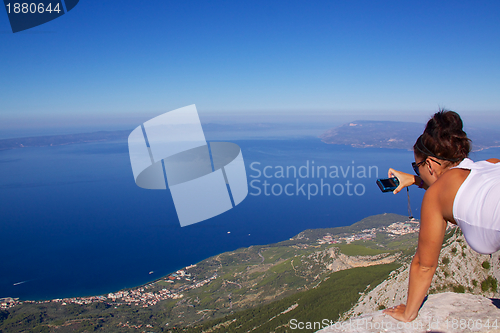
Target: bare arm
[[493, 160], [425, 261], [405, 179]]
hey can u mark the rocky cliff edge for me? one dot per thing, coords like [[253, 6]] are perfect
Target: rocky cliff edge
[[445, 312]]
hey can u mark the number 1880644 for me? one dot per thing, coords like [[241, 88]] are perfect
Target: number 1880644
[[32, 8]]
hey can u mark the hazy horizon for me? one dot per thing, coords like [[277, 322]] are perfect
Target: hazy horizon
[[239, 61]]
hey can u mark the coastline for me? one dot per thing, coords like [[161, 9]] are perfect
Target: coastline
[[139, 294]]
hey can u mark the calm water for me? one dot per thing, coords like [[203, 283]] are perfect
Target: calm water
[[73, 222]]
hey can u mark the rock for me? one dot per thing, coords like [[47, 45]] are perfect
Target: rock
[[339, 261], [445, 312], [460, 270]]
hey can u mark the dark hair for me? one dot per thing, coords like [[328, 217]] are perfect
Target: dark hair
[[443, 138]]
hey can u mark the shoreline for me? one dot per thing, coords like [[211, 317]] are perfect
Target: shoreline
[[182, 275]]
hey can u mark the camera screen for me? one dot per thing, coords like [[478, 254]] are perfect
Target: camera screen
[[388, 182]]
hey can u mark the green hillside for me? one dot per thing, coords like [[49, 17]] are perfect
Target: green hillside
[[320, 307]]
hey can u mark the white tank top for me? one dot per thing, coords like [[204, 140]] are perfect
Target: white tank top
[[476, 207]]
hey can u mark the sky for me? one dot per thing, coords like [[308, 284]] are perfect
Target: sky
[[126, 61]]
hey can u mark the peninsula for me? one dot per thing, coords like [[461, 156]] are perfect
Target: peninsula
[[397, 135]]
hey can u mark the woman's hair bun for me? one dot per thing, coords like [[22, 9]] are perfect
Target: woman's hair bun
[[444, 137]]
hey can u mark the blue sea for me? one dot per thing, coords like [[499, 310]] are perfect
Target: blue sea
[[74, 223]]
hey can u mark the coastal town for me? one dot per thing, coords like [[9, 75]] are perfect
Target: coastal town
[[142, 296], [393, 230]]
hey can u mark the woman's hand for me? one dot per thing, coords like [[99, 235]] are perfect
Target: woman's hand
[[398, 312], [405, 179]]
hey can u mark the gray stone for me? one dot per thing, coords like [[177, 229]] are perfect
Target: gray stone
[[445, 312]]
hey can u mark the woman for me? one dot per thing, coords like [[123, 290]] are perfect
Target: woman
[[459, 191]]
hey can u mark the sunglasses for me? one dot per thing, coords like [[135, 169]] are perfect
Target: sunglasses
[[416, 165]]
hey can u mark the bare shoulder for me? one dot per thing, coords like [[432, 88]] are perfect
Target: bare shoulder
[[451, 179], [444, 190], [493, 160]]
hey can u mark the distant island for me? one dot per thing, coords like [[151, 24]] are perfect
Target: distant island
[[359, 134], [59, 140], [214, 131], [397, 135]]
